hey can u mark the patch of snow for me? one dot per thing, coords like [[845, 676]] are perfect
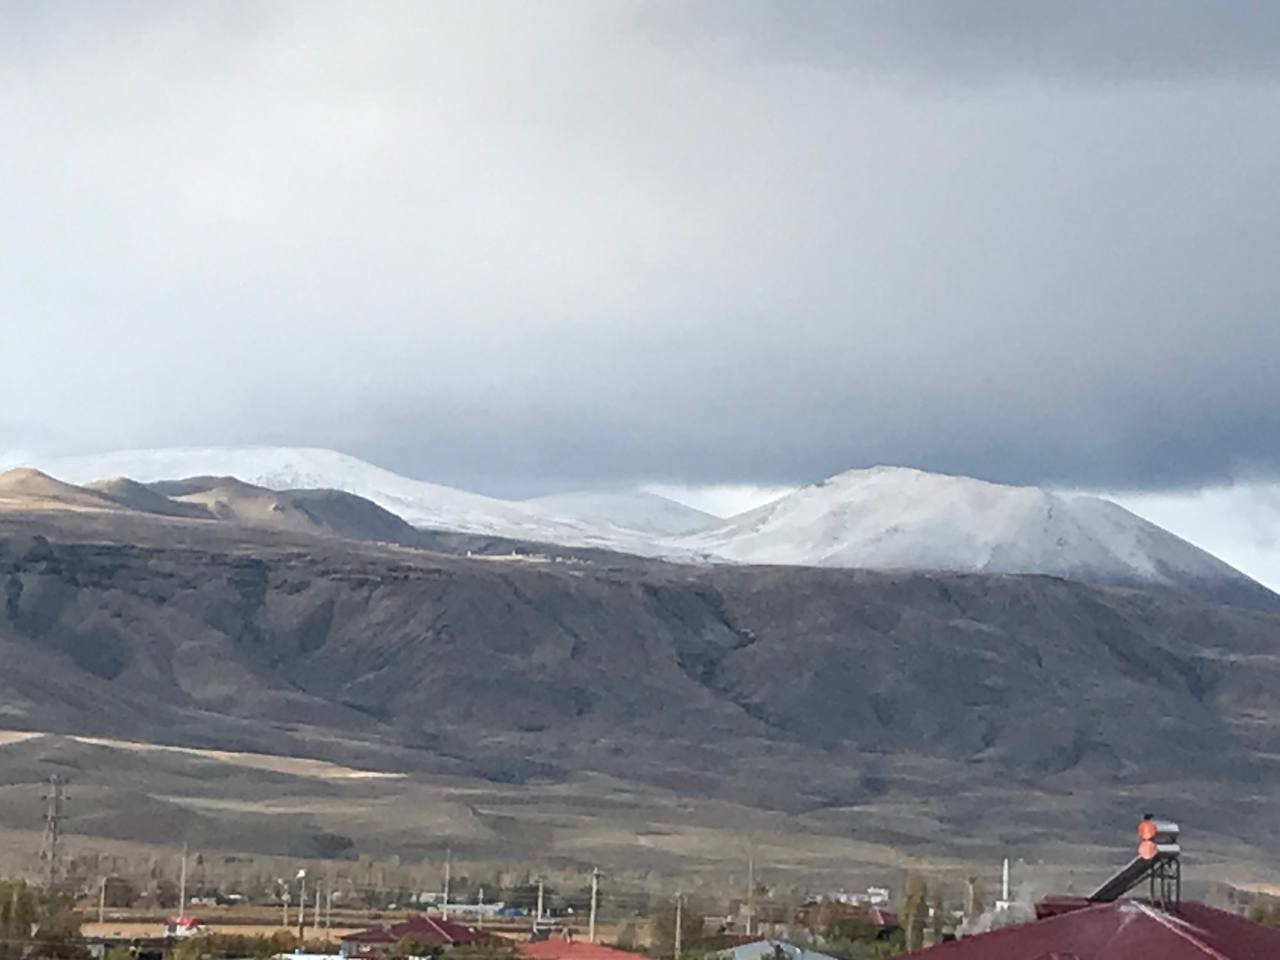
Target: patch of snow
[[638, 511]]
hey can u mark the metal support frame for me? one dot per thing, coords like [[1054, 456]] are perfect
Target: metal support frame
[[1165, 881]]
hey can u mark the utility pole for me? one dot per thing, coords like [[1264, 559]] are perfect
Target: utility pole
[[53, 827], [537, 920], [284, 905], [315, 917], [328, 905], [102, 901], [448, 869], [182, 883], [751, 895], [595, 898], [679, 923], [302, 906]]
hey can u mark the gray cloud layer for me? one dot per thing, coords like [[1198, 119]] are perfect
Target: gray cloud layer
[[528, 245]]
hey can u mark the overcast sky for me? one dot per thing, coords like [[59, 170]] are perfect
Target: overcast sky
[[528, 246]]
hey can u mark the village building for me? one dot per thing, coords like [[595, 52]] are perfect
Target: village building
[[566, 947], [1103, 926], [428, 931], [821, 915], [1122, 930]]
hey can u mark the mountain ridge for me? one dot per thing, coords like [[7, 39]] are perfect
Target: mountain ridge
[[884, 518], [891, 704]]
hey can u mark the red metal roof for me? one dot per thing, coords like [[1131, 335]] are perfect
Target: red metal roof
[[557, 948], [431, 930], [1126, 930]]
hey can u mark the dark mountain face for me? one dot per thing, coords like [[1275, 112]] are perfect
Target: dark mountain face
[[854, 702]]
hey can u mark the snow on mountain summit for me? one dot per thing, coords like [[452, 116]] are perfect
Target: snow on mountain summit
[[426, 505], [884, 518], [890, 518]]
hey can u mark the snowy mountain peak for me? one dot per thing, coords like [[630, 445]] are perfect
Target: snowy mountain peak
[[891, 518]]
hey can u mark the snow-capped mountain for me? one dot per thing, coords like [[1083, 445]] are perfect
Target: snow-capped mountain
[[563, 520], [885, 519], [301, 468], [891, 518]]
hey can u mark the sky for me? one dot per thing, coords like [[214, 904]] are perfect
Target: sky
[[698, 245]]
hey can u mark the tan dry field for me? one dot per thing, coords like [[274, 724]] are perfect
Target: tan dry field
[[589, 817], [293, 766], [146, 929], [223, 922]]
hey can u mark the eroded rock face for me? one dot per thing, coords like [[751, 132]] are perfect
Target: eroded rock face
[[791, 689]]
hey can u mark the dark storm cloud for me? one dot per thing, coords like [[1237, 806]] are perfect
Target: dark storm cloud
[[1089, 41], [527, 246]]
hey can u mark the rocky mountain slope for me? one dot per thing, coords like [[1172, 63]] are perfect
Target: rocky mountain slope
[[948, 712], [218, 500], [1239, 522]]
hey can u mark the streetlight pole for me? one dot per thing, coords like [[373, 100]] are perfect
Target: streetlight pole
[[595, 897], [302, 906]]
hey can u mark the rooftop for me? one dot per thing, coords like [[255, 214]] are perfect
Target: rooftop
[[558, 948], [1123, 930], [432, 930]]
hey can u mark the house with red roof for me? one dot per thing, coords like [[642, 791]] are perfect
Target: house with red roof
[[1121, 930], [567, 948], [429, 931], [183, 927], [1103, 926]]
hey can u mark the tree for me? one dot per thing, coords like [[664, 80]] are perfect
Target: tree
[[19, 913], [217, 945], [973, 900], [915, 911], [848, 921], [628, 937], [117, 892], [411, 946], [58, 931], [939, 919], [525, 896], [1265, 912], [167, 894], [664, 930]]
